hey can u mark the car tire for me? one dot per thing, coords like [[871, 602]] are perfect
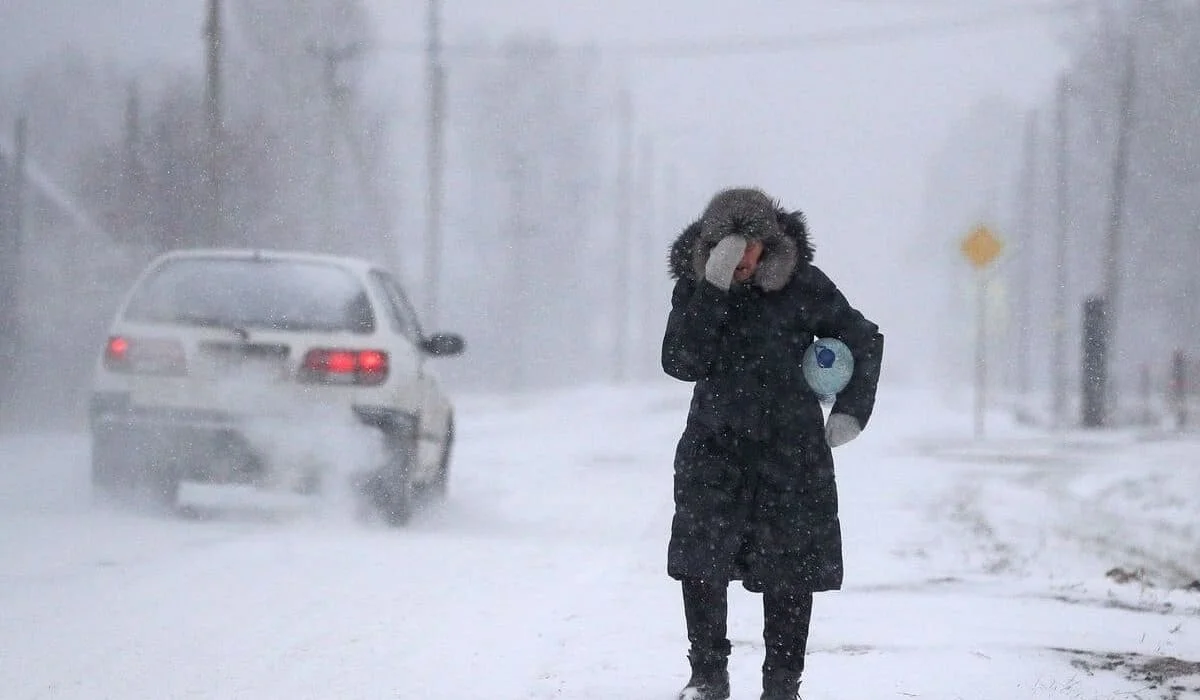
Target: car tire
[[439, 488], [398, 509], [392, 490], [110, 471], [122, 474], [162, 481]]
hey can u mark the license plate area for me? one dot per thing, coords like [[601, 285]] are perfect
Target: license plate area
[[264, 360]]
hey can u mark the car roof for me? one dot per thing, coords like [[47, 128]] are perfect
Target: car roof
[[358, 265]]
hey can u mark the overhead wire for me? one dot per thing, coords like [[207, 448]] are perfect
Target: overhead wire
[[745, 45], [873, 35]]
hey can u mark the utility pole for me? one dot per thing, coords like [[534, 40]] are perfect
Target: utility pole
[[624, 237], [328, 145], [213, 111], [12, 224], [7, 287], [648, 197], [133, 174], [1062, 232], [212, 100], [1116, 218], [20, 166], [523, 182], [1024, 273], [435, 161]]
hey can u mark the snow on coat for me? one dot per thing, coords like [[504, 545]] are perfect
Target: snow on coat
[[755, 493]]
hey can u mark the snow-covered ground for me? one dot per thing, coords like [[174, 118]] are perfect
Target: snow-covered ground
[[1020, 566]]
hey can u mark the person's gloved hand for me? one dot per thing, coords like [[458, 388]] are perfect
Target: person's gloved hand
[[840, 429], [723, 261]]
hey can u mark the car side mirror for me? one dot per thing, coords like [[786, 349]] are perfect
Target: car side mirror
[[443, 345]]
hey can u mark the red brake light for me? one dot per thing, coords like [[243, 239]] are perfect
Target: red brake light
[[117, 349], [145, 356], [341, 362], [367, 367], [372, 362]]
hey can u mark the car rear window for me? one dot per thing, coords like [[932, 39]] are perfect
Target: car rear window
[[276, 294]]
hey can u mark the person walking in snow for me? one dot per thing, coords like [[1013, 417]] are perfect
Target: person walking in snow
[[755, 494]]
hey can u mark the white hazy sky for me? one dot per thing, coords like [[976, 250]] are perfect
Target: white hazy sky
[[844, 133]]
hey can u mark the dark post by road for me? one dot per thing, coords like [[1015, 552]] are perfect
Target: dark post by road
[[1146, 394], [212, 107], [1095, 363], [1179, 388]]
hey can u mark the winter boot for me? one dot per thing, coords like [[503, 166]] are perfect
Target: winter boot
[[781, 685], [710, 678]]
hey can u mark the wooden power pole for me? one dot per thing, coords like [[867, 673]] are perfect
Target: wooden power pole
[[624, 237], [1116, 221], [1062, 232], [1024, 263], [435, 162], [214, 228]]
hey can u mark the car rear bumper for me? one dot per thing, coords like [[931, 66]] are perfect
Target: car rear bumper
[[222, 447]]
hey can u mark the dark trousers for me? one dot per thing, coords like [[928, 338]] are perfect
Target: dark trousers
[[786, 618]]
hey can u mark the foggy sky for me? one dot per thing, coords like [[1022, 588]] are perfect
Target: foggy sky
[[844, 133]]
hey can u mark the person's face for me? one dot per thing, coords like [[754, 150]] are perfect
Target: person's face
[[749, 264]]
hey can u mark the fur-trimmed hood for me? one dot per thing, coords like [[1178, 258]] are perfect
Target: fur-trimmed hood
[[750, 213]]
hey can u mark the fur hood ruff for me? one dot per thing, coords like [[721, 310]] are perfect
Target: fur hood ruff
[[750, 213]]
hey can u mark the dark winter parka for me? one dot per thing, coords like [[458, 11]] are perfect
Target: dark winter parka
[[755, 495]]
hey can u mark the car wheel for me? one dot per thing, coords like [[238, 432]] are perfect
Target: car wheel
[[398, 508], [110, 475], [162, 481], [392, 488], [439, 488], [120, 472]]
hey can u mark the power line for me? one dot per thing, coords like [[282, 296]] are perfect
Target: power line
[[997, 4], [872, 35], [841, 38]]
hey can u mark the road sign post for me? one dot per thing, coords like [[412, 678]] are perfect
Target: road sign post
[[981, 247]]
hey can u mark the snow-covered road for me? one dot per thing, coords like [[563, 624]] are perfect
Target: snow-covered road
[[974, 570]]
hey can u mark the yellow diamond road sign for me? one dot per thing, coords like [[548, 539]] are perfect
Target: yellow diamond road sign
[[981, 246]]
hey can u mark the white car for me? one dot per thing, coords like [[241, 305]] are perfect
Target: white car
[[218, 360]]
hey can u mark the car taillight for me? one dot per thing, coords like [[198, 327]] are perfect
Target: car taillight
[[145, 356], [117, 351], [339, 366]]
